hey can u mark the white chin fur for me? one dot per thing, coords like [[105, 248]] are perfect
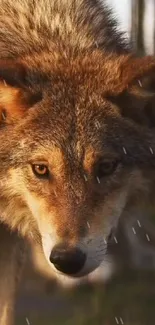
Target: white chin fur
[[101, 274], [95, 250]]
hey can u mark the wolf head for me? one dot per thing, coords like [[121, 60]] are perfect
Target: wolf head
[[76, 146]]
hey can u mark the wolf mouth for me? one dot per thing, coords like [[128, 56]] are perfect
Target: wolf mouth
[[76, 261]]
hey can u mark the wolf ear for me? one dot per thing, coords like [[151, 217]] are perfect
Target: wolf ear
[[134, 90], [15, 95]]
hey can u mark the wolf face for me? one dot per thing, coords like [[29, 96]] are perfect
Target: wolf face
[[75, 145]]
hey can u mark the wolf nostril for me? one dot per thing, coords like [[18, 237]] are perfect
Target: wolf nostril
[[68, 260]]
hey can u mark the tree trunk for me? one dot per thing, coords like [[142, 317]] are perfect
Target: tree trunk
[[137, 28], [12, 253]]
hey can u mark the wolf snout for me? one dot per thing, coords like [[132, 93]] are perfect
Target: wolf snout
[[68, 260]]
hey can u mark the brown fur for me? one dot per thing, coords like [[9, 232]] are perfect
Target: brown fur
[[74, 98]]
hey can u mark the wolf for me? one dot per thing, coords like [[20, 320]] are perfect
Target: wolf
[[77, 137]]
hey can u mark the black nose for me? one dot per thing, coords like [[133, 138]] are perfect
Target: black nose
[[68, 260]]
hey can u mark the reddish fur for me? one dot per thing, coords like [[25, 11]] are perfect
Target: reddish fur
[[66, 69], [115, 74]]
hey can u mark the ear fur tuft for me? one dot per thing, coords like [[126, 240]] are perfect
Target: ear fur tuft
[[134, 89], [15, 95]]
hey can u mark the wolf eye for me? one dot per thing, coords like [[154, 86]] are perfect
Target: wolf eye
[[40, 170], [106, 168]]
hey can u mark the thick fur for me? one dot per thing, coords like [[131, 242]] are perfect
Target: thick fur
[[37, 26], [74, 98]]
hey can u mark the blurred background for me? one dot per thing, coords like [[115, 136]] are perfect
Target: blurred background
[[126, 294], [137, 19]]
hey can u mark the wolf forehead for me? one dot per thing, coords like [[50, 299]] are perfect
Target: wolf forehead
[[73, 101], [75, 105]]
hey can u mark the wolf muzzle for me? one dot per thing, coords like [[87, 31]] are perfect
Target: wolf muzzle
[[68, 260]]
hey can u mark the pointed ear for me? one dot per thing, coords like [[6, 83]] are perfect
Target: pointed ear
[[133, 91], [16, 97]]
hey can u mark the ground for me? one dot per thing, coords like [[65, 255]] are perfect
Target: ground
[[129, 299]]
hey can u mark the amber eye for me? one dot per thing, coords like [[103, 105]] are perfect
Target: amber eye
[[106, 168], [40, 170]]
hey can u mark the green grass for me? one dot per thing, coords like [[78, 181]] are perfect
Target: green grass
[[130, 295]]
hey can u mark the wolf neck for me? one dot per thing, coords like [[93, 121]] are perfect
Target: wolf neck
[[35, 25]]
